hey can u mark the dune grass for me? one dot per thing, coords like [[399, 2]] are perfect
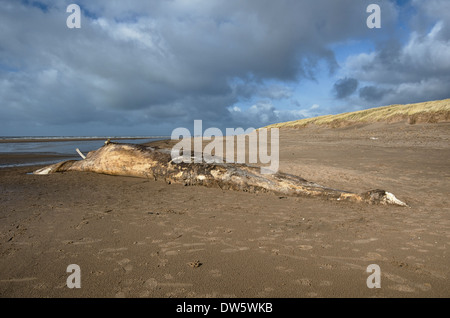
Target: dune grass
[[429, 112]]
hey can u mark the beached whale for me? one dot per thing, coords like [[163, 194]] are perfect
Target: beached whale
[[148, 162]]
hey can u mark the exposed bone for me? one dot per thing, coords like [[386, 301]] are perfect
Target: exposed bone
[[80, 153], [391, 199], [147, 162]]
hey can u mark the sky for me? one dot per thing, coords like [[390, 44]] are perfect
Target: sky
[[142, 68]]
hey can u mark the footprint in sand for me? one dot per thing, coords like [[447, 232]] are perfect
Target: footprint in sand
[[371, 256], [144, 294], [327, 266], [168, 276], [163, 262], [402, 288], [233, 250], [97, 273], [120, 294], [284, 269], [112, 250], [266, 292], [395, 278], [325, 283], [216, 273], [304, 282], [128, 268], [150, 284], [124, 263], [80, 225], [42, 286], [424, 287]]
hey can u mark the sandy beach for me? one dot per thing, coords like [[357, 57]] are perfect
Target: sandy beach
[[136, 237]]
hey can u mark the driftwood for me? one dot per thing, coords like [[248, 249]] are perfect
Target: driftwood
[[148, 162]]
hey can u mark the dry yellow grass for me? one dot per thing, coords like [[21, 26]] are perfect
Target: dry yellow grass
[[426, 112]]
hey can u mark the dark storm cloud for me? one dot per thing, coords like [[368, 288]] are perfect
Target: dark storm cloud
[[372, 93], [345, 87], [411, 70], [263, 113], [153, 62]]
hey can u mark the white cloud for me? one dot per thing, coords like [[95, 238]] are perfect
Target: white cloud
[[429, 53], [417, 71], [265, 113]]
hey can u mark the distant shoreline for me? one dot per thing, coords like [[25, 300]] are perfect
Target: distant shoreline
[[51, 139]]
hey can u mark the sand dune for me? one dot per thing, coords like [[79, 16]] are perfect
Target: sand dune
[[426, 112]]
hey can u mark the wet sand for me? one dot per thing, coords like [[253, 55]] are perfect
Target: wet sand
[[16, 158], [134, 237]]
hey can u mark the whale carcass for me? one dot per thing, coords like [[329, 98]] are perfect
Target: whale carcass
[[149, 162]]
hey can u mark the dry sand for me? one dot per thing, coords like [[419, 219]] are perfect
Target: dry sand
[[134, 237]]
